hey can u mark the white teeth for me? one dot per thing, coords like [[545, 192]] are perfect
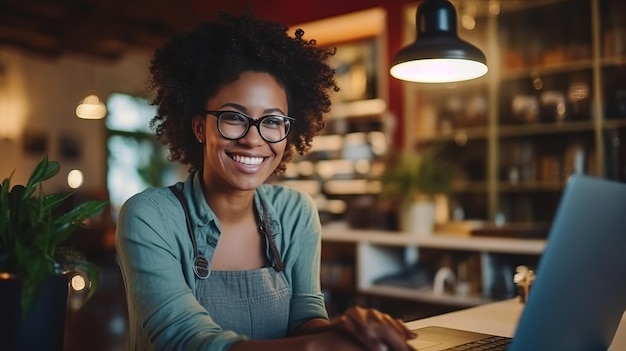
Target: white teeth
[[248, 160]]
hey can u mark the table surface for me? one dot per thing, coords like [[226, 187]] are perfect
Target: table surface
[[498, 318]]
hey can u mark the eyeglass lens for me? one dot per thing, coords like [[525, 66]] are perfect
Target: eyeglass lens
[[234, 125]]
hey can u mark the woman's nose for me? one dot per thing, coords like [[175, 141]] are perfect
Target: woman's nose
[[252, 137]]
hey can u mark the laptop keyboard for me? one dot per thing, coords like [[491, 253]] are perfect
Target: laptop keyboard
[[492, 343]]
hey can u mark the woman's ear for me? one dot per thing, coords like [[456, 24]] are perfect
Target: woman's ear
[[197, 124]]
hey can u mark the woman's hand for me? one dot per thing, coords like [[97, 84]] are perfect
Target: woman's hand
[[375, 330]]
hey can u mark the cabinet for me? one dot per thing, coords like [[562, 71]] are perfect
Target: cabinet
[[403, 266], [553, 103]]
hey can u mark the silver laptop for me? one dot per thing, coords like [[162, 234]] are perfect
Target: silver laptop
[[579, 295]]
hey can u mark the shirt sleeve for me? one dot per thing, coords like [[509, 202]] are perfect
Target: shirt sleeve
[[302, 253], [163, 311]]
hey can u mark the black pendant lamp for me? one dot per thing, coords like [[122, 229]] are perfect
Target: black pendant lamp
[[438, 55]]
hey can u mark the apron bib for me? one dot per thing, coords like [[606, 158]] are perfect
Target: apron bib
[[254, 302]]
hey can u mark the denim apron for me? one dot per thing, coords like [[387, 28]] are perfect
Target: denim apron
[[253, 302]]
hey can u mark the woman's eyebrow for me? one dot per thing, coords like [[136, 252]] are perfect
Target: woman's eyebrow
[[235, 106], [244, 110]]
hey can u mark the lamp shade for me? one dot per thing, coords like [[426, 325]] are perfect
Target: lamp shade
[[91, 108], [438, 55]]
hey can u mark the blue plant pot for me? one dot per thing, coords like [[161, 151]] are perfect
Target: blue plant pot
[[44, 326]]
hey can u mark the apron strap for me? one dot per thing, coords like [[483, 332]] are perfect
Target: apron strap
[[266, 228], [201, 265], [179, 194]]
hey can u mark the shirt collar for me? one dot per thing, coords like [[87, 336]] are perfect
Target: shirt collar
[[202, 214]]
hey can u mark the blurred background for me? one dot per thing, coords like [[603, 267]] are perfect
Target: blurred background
[[73, 86]]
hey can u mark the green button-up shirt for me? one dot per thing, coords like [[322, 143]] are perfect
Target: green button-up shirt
[[156, 258]]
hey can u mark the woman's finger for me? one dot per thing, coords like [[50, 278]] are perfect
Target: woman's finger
[[399, 326], [376, 316], [376, 330], [391, 340], [363, 334]]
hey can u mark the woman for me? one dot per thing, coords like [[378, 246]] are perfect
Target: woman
[[236, 99]]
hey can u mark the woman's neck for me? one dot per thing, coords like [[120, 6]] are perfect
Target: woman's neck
[[240, 246], [228, 204]]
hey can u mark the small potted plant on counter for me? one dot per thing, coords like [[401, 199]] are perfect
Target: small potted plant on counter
[[413, 180], [33, 262]]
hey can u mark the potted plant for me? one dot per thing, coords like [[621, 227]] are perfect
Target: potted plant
[[413, 180], [32, 257]]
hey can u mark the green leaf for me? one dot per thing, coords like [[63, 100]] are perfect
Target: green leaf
[[31, 229], [81, 212], [51, 202], [43, 171], [408, 174]]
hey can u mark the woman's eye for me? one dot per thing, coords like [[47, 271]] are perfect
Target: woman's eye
[[234, 118], [273, 121]]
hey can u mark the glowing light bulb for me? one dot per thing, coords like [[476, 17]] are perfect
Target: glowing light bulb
[[91, 108], [75, 179], [78, 282]]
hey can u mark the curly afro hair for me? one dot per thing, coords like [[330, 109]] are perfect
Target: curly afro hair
[[192, 67]]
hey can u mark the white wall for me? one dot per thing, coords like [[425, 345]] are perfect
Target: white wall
[[42, 94]]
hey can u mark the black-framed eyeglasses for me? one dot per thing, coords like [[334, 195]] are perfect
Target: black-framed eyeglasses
[[234, 125]]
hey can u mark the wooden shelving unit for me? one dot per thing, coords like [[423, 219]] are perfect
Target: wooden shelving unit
[[380, 253], [552, 103]]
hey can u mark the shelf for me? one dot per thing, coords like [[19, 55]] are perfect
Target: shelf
[[615, 123], [563, 67], [464, 134], [424, 295], [357, 109], [534, 186], [614, 61], [382, 254], [469, 187], [351, 186], [516, 130], [340, 232]]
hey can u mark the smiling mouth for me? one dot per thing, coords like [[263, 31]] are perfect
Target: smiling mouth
[[250, 161]]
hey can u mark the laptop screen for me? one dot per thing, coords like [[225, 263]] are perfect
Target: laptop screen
[[579, 295]]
